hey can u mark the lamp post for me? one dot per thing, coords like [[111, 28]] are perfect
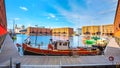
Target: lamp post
[[36, 35], [13, 25], [14, 20]]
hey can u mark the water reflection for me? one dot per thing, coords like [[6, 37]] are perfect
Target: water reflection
[[43, 41]]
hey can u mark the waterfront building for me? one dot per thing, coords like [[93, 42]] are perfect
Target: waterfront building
[[65, 31], [108, 29], [117, 24], [91, 30], [78, 31], [98, 30], [38, 31], [18, 29], [3, 22]]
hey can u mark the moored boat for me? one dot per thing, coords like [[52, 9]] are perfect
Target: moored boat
[[59, 48]]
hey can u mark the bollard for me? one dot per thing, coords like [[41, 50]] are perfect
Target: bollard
[[17, 64], [10, 62], [18, 48]]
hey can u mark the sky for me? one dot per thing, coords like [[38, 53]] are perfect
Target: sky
[[60, 13]]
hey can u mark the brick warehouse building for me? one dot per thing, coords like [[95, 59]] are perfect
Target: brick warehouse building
[[3, 22], [64, 31], [38, 30], [98, 30]]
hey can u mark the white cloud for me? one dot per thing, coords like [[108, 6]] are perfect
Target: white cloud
[[107, 11], [114, 1], [52, 15], [111, 9], [74, 16], [79, 16], [16, 18], [23, 8]]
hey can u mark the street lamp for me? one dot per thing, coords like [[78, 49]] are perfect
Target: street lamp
[[13, 25]]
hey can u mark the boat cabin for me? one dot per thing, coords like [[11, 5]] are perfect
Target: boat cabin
[[60, 45]]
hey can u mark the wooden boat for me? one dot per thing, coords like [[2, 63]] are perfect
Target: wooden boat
[[60, 49]]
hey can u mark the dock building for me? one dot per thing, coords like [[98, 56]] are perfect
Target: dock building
[[65, 31], [38, 31], [98, 30]]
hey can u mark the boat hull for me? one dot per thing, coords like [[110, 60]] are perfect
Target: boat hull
[[36, 51]]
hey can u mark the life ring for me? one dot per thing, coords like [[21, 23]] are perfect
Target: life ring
[[111, 58]]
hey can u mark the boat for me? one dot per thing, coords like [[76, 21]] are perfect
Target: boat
[[95, 38], [90, 42], [58, 48]]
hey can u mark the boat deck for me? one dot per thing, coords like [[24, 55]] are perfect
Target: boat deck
[[10, 50]]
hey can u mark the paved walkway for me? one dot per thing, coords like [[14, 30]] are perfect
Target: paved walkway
[[9, 50], [112, 48]]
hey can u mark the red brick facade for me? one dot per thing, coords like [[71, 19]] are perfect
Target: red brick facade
[[117, 24], [39, 31], [3, 21]]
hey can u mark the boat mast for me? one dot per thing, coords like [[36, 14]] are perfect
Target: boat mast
[[13, 27], [36, 35]]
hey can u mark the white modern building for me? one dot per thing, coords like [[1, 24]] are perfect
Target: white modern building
[[79, 31], [18, 29]]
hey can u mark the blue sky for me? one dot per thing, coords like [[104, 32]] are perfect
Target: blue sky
[[60, 13]]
